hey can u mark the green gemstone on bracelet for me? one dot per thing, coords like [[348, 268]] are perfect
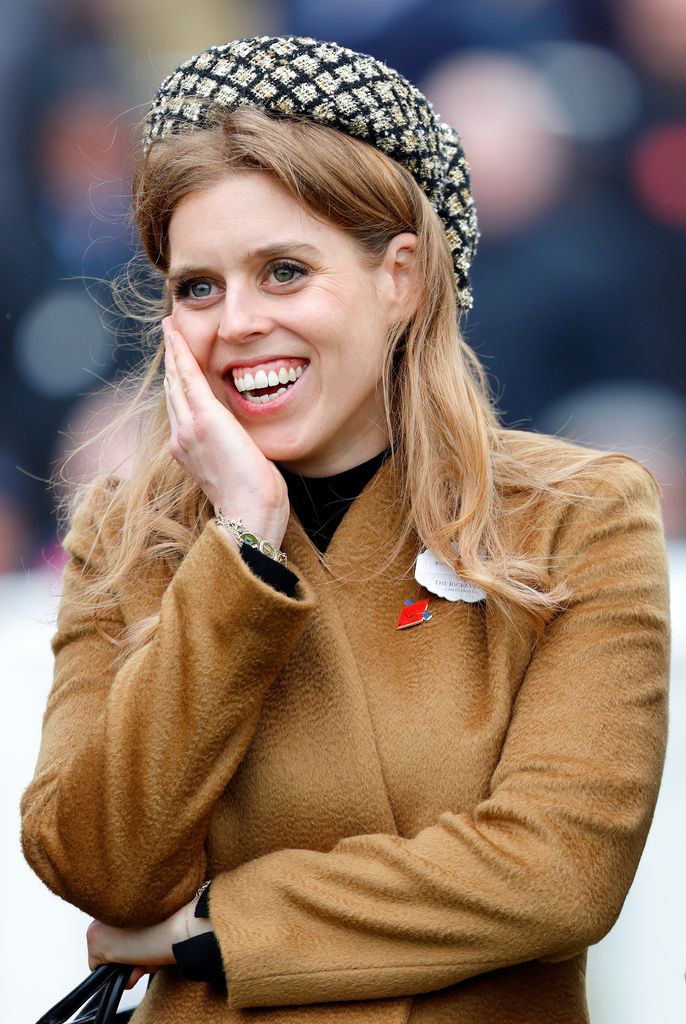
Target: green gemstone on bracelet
[[251, 539]]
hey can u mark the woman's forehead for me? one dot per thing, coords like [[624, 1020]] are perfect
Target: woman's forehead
[[251, 213]]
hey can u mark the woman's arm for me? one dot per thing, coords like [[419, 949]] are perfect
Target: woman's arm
[[132, 762], [186, 938], [540, 868]]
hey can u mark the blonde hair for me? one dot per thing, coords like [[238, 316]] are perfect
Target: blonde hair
[[452, 461]]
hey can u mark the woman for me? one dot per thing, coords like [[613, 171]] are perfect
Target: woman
[[398, 824]]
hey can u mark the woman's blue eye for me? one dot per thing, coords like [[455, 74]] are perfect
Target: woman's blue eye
[[286, 273], [192, 289], [200, 289]]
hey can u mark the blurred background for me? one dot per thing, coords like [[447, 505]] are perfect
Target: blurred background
[[573, 117]]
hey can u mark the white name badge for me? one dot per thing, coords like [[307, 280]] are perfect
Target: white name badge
[[440, 579]]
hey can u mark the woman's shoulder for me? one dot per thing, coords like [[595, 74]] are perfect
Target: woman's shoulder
[[570, 469], [556, 494]]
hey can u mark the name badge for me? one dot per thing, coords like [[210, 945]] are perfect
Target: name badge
[[440, 579]]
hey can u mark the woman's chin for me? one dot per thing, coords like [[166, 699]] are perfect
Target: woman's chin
[[290, 455]]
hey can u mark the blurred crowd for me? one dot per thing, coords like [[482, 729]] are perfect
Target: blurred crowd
[[573, 117]]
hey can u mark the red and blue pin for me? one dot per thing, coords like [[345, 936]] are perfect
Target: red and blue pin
[[413, 613]]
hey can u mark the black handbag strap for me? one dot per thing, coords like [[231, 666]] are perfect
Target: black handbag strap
[[102, 1008], [101, 990], [114, 990]]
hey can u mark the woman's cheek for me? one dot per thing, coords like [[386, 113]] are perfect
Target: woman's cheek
[[199, 332]]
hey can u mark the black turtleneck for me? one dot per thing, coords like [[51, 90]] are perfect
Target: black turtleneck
[[320, 504]]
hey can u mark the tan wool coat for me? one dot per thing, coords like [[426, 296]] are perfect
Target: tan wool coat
[[419, 826]]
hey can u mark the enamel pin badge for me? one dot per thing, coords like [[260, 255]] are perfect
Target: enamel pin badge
[[413, 613], [440, 579]]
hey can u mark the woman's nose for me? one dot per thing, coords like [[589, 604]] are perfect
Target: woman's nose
[[243, 316]]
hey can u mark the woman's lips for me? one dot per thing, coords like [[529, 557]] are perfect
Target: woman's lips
[[267, 373], [257, 401]]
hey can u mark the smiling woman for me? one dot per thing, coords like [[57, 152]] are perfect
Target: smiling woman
[[391, 824], [313, 307]]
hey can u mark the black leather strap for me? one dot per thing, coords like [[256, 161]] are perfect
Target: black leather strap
[[100, 991], [111, 997]]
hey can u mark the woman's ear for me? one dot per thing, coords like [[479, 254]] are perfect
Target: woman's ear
[[399, 267]]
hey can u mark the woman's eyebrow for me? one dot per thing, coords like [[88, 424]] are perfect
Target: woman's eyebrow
[[264, 252], [180, 273], [281, 247]]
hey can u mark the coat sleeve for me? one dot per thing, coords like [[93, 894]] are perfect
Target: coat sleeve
[[132, 761], [541, 867]]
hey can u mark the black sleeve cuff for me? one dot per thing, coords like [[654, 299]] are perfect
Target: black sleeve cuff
[[200, 958], [202, 907], [269, 571]]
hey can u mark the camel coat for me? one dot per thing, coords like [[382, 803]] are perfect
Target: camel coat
[[419, 826]]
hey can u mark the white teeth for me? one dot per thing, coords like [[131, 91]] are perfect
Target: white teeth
[[263, 399], [262, 380]]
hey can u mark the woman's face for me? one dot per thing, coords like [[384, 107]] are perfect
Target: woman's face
[[286, 321]]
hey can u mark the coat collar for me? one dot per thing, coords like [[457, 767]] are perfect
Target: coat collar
[[362, 538]]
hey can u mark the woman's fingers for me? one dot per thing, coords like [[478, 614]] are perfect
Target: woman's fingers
[[171, 379], [170, 408], [182, 394], [136, 974], [197, 411], [169, 399], [190, 400], [185, 372], [189, 394], [176, 395]]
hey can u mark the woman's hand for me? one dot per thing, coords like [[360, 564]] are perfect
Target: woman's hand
[[213, 447], [145, 948]]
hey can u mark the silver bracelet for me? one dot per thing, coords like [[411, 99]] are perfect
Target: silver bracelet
[[239, 531]]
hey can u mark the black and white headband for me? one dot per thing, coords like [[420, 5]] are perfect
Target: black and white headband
[[342, 89]]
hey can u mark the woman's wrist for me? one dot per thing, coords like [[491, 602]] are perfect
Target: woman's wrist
[[185, 925], [242, 535], [262, 526]]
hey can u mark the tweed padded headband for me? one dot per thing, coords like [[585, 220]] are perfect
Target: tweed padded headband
[[337, 87]]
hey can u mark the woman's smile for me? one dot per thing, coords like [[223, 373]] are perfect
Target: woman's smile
[[263, 382]]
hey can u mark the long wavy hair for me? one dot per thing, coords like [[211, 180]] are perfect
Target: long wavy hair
[[451, 459]]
